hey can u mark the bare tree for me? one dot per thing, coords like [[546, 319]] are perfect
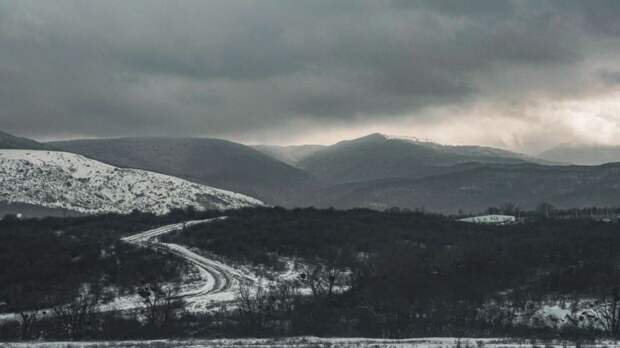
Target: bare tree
[[324, 275], [253, 306], [510, 208], [25, 303], [27, 318], [76, 316], [608, 312], [545, 209], [160, 302]]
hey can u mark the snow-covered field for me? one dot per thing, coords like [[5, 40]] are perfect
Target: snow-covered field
[[64, 180], [307, 342]]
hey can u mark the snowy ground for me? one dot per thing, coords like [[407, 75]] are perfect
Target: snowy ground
[[64, 180], [322, 342]]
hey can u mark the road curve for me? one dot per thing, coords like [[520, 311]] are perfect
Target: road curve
[[220, 281]]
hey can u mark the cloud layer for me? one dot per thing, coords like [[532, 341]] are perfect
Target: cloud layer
[[310, 70]]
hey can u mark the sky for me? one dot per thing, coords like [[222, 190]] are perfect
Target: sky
[[522, 75]]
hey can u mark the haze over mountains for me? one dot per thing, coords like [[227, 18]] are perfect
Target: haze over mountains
[[583, 154], [376, 171], [292, 154]]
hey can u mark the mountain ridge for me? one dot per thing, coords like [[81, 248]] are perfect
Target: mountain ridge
[[378, 156]]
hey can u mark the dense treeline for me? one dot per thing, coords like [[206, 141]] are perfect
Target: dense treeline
[[381, 274], [415, 274]]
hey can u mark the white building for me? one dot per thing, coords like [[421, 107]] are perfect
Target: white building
[[490, 219]]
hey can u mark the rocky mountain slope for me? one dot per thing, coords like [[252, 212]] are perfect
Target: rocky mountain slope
[[63, 180]]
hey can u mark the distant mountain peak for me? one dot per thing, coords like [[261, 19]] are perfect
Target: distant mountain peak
[[409, 139], [382, 137]]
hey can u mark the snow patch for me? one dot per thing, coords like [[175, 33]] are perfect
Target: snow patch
[[64, 180]]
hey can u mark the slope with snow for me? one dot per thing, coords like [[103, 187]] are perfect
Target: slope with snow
[[63, 180]]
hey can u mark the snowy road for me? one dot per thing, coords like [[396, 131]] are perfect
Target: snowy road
[[218, 285], [220, 282], [156, 232]]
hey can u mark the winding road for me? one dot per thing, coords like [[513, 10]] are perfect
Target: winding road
[[220, 282]]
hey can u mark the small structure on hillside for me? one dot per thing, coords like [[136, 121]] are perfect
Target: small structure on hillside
[[490, 219]]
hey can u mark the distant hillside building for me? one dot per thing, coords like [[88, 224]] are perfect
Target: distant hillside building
[[490, 219]]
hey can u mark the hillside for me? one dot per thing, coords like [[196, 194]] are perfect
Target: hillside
[[583, 154], [212, 162], [475, 187], [8, 141], [379, 156], [68, 181]]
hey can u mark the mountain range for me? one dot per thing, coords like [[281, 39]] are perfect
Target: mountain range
[[376, 171], [378, 156]]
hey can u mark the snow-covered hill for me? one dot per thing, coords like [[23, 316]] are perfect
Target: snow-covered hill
[[65, 180]]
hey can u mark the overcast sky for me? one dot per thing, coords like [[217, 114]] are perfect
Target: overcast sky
[[522, 75]]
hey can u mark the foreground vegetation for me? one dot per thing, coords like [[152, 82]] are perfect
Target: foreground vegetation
[[55, 273], [362, 273], [413, 274]]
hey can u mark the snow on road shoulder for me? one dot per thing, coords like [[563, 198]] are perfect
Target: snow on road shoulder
[[219, 282]]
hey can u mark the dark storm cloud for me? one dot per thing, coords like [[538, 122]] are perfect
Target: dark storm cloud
[[218, 68]]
